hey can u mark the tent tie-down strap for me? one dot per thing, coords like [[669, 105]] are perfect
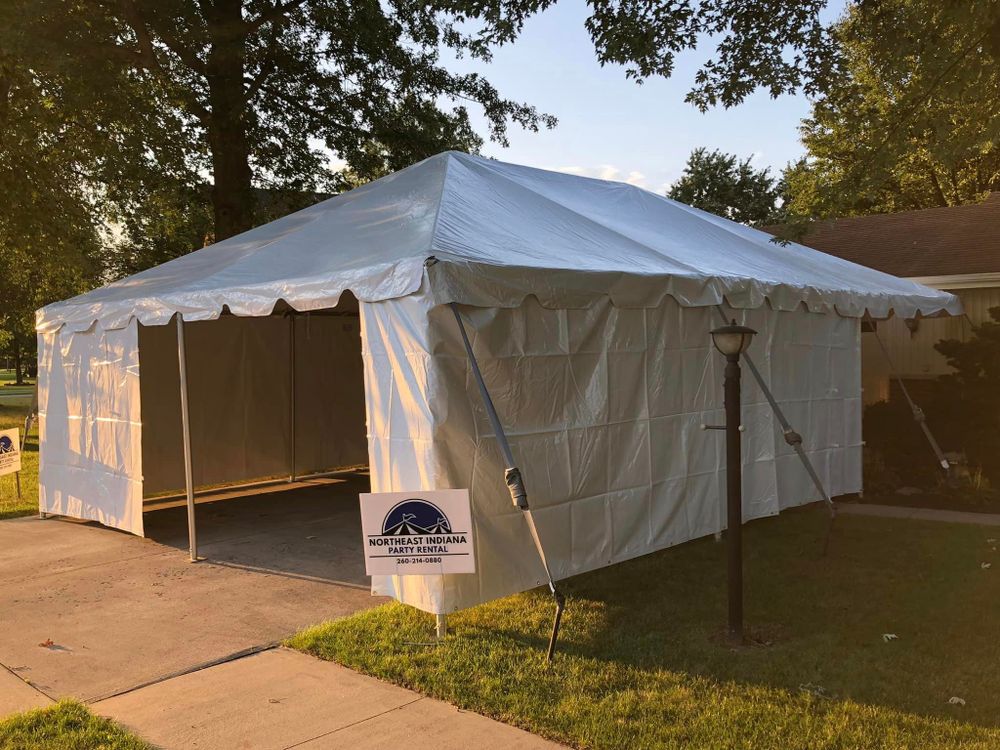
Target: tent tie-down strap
[[918, 414], [792, 437], [513, 479]]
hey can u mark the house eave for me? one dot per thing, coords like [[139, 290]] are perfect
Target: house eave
[[960, 281]]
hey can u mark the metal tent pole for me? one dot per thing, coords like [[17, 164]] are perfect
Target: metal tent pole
[[734, 498], [291, 398], [918, 414], [513, 479], [186, 430], [792, 437]]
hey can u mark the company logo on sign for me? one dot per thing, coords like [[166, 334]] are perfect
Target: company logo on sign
[[6, 444], [411, 534], [415, 517]]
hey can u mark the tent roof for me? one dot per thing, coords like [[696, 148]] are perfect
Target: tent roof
[[492, 227]]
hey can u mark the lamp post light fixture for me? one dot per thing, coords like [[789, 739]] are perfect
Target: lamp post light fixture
[[731, 341]]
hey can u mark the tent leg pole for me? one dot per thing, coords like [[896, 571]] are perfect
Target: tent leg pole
[[186, 430], [291, 398], [513, 479], [441, 626], [793, 438]]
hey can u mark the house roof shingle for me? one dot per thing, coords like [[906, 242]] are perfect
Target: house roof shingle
[[944, 241]]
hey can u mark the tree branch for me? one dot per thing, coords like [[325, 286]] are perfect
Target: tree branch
[[266, 68], [138, 21], [276, 13]]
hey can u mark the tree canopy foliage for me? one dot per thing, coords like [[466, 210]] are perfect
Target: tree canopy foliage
[[912, 119], [254, 92], [172, 119], [725, 185], [48, 231]]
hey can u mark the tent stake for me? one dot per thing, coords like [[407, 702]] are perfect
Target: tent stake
[[186, 430], [513, 479]]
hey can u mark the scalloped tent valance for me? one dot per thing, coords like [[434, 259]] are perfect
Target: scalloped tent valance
[[498, 233]]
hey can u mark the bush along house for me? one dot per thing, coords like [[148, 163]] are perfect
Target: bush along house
[[957, 249]]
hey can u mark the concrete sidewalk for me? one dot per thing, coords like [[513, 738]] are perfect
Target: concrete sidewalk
[[919, 514], [281, 699], [17, 695], [90, 612]]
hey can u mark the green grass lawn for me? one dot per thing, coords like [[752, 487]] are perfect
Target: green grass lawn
[[642, 662], [68, 725], [14, 404]]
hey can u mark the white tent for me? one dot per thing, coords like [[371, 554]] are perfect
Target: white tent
[[588, 304]]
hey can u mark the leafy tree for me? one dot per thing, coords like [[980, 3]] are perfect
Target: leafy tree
[[778, 45], [725, 185], [912, 121], [256, 89], [48, 236], [252, 87]]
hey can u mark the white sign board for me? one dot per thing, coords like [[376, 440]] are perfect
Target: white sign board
[[10, 452], [417, 533]]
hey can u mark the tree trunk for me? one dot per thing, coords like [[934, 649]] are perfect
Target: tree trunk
[[18, 369], [232, 191], [936, 184]]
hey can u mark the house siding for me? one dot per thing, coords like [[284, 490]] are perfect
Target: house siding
[[913, 353]]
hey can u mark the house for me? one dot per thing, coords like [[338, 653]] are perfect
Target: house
[[955, 248]]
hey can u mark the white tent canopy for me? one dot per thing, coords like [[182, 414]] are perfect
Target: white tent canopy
[[492, 227], [589, 304]]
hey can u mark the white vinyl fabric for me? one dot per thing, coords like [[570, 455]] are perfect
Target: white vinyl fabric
[[603, 407], [590, 304], [492, 228], [90, 427]]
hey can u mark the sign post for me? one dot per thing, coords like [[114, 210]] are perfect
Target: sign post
[[10, 456]]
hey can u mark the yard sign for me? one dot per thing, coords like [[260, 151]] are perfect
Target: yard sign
[[10, 452], [417, 533]]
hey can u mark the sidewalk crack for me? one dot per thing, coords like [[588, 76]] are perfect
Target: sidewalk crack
[[30, 684], [355, 723]]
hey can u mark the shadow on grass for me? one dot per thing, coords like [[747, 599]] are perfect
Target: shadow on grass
[[641, 662], [818, 622]]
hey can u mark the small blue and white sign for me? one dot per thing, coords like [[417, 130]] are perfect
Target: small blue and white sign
[[417, 533], [10, 452]]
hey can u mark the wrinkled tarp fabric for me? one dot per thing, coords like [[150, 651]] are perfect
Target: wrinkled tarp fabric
[[90, 430], [603, 408], [492, 227]]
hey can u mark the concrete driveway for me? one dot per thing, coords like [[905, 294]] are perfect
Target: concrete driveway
[[91, 612]]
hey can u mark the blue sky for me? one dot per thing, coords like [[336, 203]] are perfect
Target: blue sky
[[612, 128]]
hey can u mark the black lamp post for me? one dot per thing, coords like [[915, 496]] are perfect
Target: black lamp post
[[732, 340]]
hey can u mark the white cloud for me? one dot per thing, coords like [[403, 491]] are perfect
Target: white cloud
[[608, 172]]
